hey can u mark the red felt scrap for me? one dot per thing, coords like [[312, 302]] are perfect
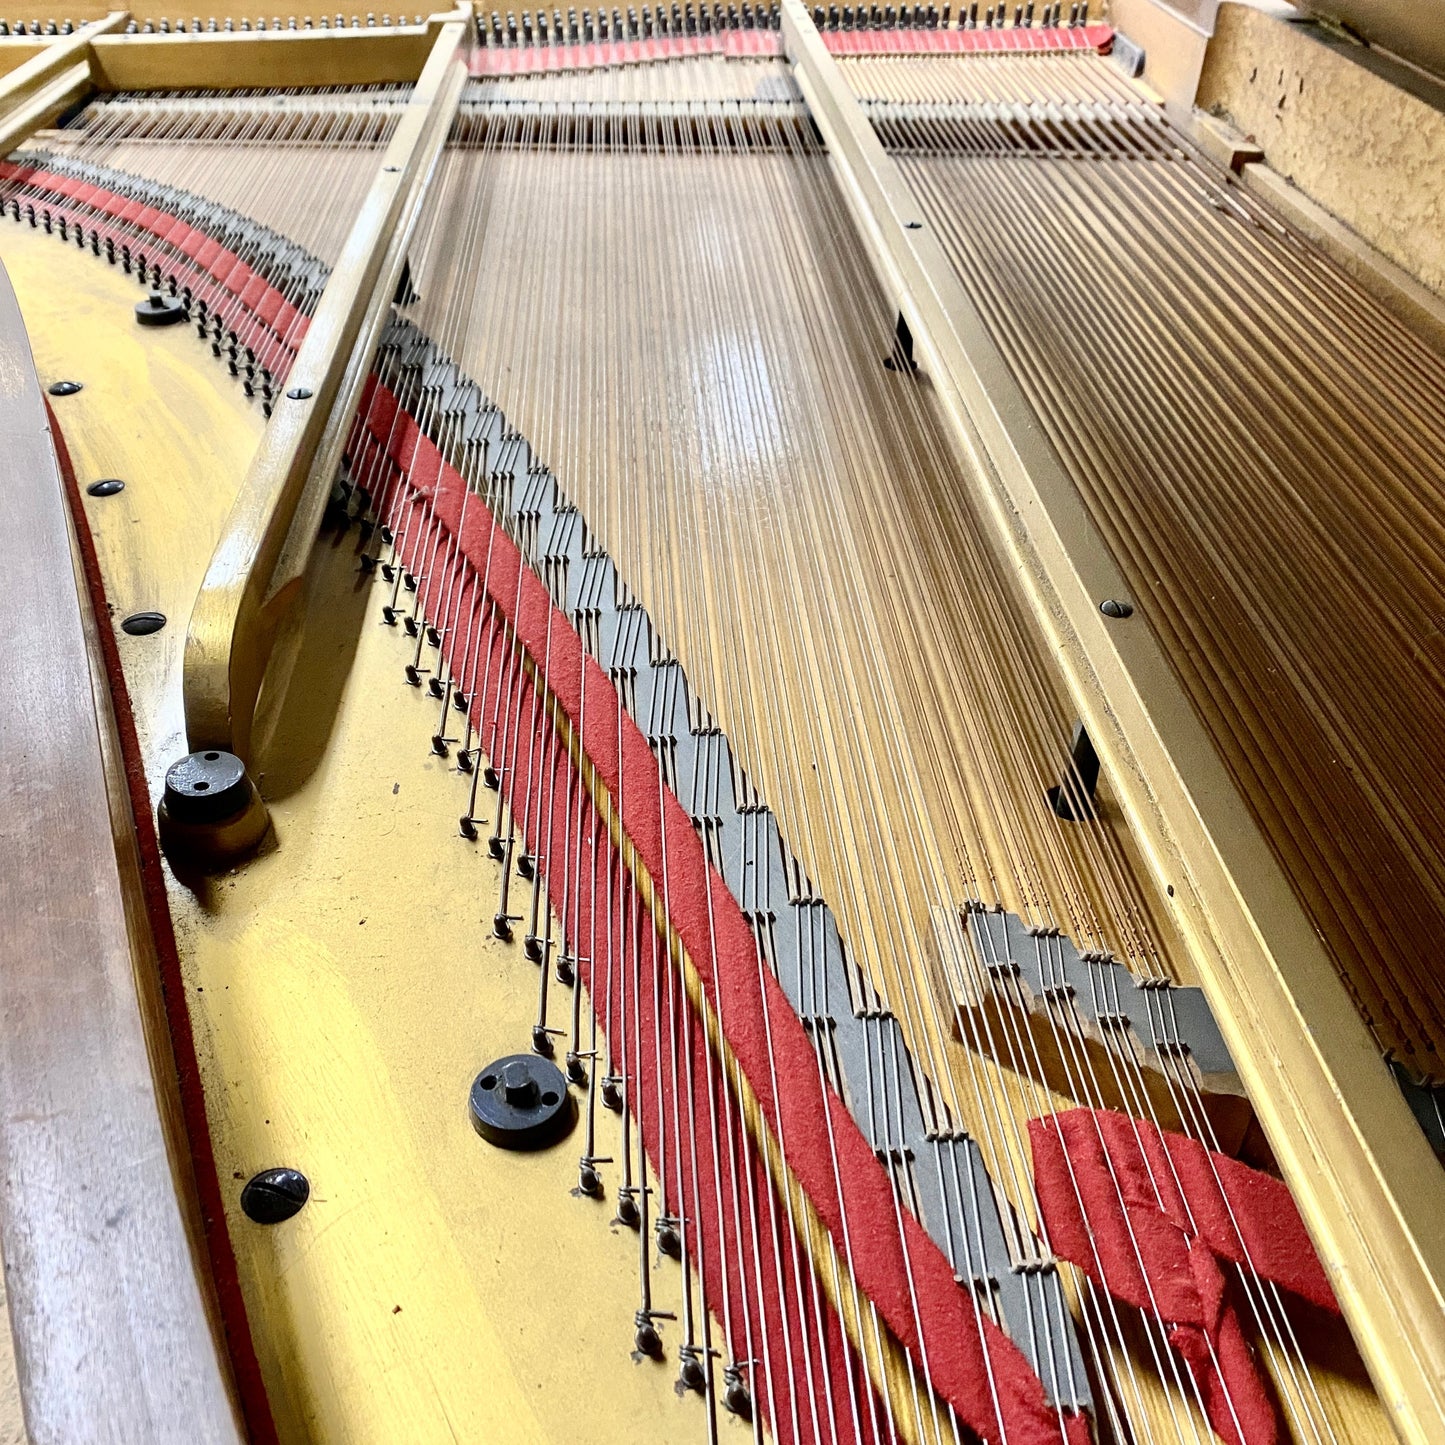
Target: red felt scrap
[[1148, 1215]]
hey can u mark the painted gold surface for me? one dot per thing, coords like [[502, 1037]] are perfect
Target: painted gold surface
[[345, 988]]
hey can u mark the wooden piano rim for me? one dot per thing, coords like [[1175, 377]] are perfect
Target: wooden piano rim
[[113, 1311]]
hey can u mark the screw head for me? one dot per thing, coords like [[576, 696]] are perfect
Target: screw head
[[106, 487], [521, 1101], [300, 393], [1116, 607], [142, 624], [275, 1195], [65, 388]]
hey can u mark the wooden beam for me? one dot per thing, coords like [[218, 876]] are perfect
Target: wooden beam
[[57, 56], [34, 93], [112, 1322], [1368, 1184], [231, 629], [35, 111], [265, 60]]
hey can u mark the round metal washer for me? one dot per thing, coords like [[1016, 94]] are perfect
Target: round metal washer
[[158, 310], [522, 1102], [206, 787]]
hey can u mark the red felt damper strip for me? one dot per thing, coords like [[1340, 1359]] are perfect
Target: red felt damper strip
[[969, 1360], [1148, 1215]]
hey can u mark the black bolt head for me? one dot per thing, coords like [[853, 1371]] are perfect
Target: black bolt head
[[521, 1102], [206, 787], [65, 388], [669, 1241], [1116, 608], [275, 1195], [142, 624], [647, 1340], [300, 393], [106, 487], [691, 1373]]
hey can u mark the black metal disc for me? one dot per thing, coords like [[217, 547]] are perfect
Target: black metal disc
[[158, 310], [64, 388], [521, 1102], [106, 487], [275, 1195], [206, 787]]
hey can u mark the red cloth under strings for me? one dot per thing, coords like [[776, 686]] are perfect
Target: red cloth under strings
[[1148, 1215]]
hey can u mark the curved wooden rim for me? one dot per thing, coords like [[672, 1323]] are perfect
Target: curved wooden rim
[[112, 1318]]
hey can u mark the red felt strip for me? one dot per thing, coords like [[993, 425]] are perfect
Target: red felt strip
[[970, 1361], [1148, 1215]]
